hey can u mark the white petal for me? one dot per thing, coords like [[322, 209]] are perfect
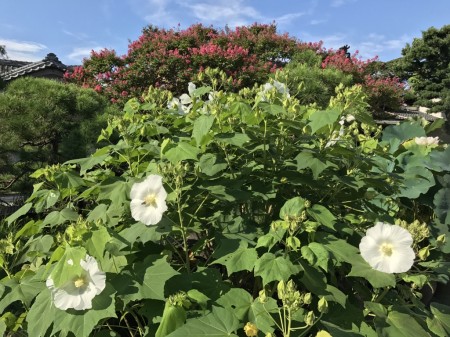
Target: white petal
[[185, 99]]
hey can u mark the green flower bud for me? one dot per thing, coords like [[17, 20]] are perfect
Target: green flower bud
[[307, 298], [281, 287], [424, 253], [322, 305], [310, 318], [440, 240], [262, 296]]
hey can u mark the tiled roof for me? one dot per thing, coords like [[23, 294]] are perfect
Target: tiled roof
[[50, 61], [396, 117]]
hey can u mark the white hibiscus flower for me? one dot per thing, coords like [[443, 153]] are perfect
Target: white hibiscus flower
[[81, 289], [148, 200], [427, 141], [387, 248]]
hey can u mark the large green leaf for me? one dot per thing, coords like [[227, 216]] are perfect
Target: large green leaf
[[210, 164], [307, 159], [272, 268], [202, 125], [292, 208], [322, 215], [440, 322], [219, 323], [149, 278], [59, 217], [400, 324], [238, 301], [242, 259], [182, 151], [442, 205], [17, 214], [403, 131], [417, 181], [319, 119]]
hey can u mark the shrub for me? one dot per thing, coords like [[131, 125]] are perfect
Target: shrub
[[263, 205], [45, 122], [171, 58]]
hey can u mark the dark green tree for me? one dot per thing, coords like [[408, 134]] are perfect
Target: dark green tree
[[426, 66], [45, 122]]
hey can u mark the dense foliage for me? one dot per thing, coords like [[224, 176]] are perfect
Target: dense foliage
[[171, 58], [426, 66], [267, 201], [45, 122]]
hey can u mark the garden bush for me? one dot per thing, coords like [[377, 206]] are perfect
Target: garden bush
[[235, 214], [172, 58], [43, 122]]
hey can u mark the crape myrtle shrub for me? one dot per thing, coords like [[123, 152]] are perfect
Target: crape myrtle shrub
[[241, 214], [384, 91], [171, 58]]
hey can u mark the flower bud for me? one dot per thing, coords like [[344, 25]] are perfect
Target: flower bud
[[322, 305], [262, 296], [310, 318], [424, 253], [307, 298], [281, 290], [250, 329], [440, 240]]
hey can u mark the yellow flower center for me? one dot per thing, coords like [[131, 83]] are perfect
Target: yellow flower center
[[386, 249], [80, 282], [150, 200]]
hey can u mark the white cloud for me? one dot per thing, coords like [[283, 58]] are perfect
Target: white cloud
[[23, 50], [317, 22], [79, 53], [78, 36]]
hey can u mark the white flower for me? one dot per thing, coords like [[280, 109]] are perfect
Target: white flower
[[387, 248], [427, 141], [191, 88], [280, 87], [81, 289], [148, 200]]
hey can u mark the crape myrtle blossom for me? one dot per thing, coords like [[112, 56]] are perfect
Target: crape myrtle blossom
[[427, 141], [79, 292], [387, 248], [148, 200]]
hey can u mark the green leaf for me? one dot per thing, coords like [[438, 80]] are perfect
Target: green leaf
[[236, 139], [440, 322], [96, 244], [68, 179], [322, 215], [238, 301], [202, 125], [88, 163], [182, 151], [292, 208], [59, 217], [417, 181], [402, 325], [260, 314], [403, 131], [149, 278], [115, 190], [22, 288], [210, 165], [219, 323], [442, 205], [306, 159], [68, 265], [438, 160], [272, 268], [319, 119], [337, 331], [17, 214], [376, 278], [377, 308], [242, 259]]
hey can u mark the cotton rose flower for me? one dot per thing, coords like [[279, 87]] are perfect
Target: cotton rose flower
[[79, 292], [387, 248], [427, 141], [148, 200]]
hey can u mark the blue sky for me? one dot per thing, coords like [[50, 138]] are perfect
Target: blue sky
[[30, 29]]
